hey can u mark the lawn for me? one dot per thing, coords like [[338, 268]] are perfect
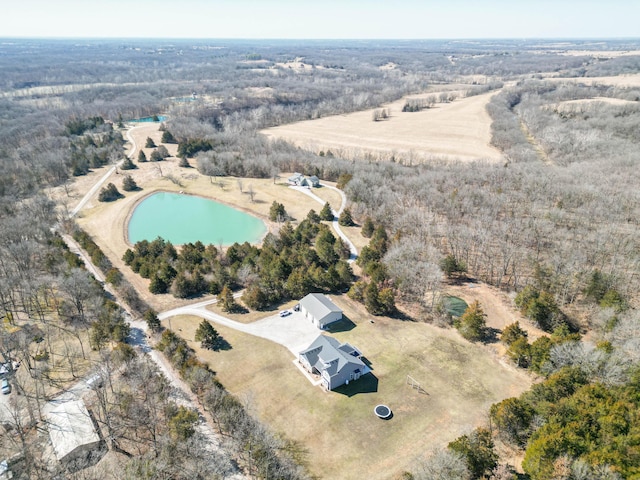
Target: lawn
[[342, 435]]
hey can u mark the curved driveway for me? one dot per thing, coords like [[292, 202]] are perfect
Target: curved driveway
[[293, 331], [336, 214]]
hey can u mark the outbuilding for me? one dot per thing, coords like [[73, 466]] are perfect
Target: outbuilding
[[319, 310], [74, 438]]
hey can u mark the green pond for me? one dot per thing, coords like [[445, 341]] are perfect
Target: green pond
[[455, 306], [182, 219]]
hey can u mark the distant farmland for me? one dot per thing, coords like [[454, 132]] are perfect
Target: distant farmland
[[460, 130]]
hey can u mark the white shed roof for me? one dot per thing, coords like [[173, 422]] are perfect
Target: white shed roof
[[319, 305], [70, 427]]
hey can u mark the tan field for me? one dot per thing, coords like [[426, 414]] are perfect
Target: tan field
[[460, 130], [587, 103], [342, 436], [632, 80]]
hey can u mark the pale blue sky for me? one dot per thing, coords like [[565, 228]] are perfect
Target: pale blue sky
[[320, 18]]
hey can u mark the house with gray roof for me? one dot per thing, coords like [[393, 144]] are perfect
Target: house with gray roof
[[336, 363], [301, 181], [319, 310]]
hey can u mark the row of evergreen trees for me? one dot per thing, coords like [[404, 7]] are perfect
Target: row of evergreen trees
[[291, 264]]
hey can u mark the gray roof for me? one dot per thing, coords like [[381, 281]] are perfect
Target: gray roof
[[319, 305], [327, 354], [70, 427], [296, 177]]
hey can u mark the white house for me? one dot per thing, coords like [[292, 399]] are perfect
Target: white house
[[300, 180], [321, 311], [336, 363]]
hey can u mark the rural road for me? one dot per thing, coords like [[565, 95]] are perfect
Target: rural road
[[336, 214]]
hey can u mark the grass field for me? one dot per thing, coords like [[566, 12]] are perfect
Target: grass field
[[343, 437], [457, 130]]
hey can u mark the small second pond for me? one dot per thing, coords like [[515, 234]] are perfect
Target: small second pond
[[155, 118], [183, 219], [455, 306]]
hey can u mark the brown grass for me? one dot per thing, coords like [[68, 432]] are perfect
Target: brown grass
[[458, 130], [343, 437], [632, 80]]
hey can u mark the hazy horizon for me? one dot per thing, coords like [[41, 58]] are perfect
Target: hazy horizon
[[329, 19]]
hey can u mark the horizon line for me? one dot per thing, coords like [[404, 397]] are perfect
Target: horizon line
[[336, 39]]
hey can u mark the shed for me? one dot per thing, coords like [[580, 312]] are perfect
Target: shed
[[75, 441], [321, 311]]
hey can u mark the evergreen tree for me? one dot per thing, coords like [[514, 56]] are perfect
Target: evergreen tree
[[156, 156], [511, 333], [226, 300], [478, 452], [277, 213], [345, 218], [472, 324], [367, 228], [371, 300], [142, 157], [163, 152], [129, 184], [326, 213], [167, 137], [150, 143], [127, 164], [207, 335], [313, 217], [153, 322], [450, 265], [109, 193], [158, 285]]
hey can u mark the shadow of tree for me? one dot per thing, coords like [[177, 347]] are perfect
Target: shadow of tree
[[221, 345], [491, 335]]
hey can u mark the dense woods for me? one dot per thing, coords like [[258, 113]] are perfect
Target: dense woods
[[555, 223]]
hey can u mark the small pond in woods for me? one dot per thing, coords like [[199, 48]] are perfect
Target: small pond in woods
[[455, 306]]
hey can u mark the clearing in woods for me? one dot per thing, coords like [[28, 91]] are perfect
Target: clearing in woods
[[460, 130], [339, 431]]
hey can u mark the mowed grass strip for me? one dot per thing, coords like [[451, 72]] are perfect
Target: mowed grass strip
[[343, 437]]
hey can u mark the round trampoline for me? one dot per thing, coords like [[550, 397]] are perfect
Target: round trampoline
[[382, 411]]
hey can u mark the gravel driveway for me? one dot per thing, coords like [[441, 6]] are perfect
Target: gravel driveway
[[293, 331]]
